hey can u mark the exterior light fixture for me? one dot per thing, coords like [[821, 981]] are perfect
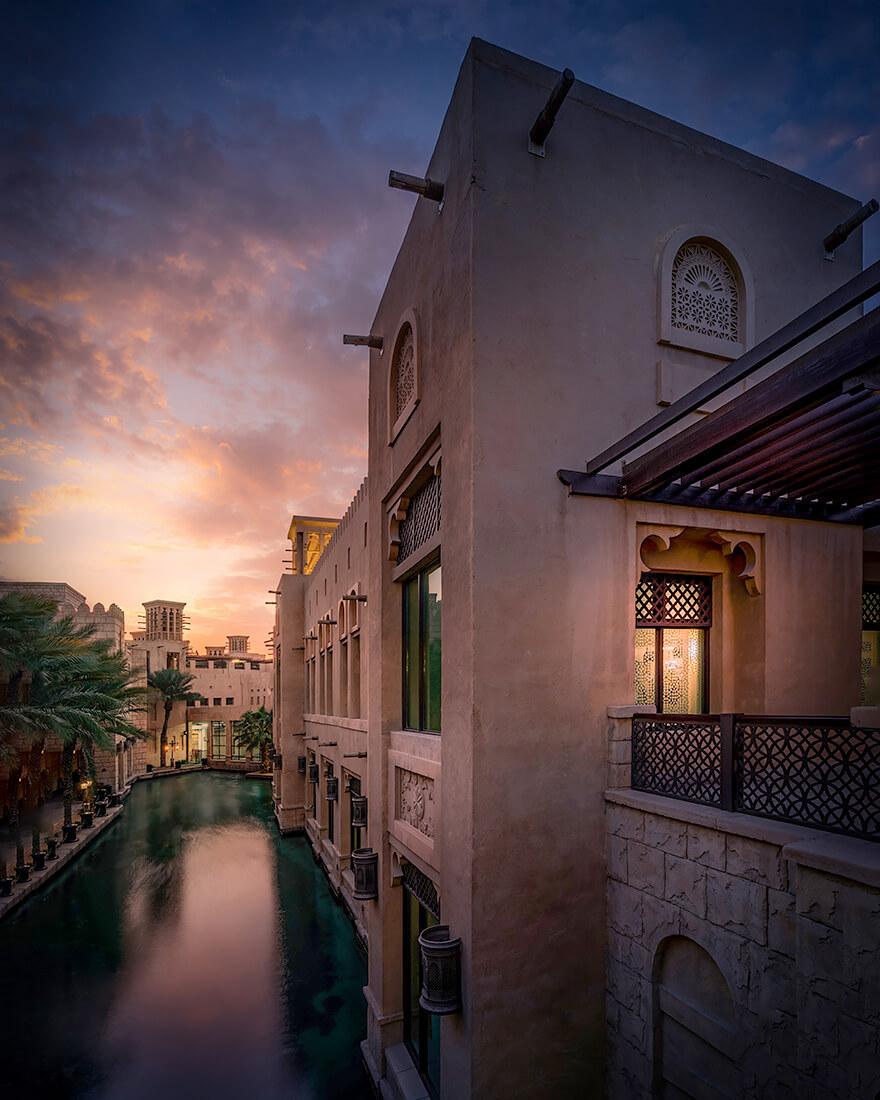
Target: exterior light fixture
[[332, 789], [301, 765], [365, 864], [441, 971], [314, 775], [358, 811]]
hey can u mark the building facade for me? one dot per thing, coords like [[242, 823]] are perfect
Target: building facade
[[546, 301]]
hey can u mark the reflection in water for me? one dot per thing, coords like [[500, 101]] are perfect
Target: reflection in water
[[198, 1009], [191, 952]]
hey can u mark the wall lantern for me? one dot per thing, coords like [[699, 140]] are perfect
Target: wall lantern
[[441, 971], [365, 863], [313, 773], [279, 761], [333, 789], [358, 811], [301, 765]]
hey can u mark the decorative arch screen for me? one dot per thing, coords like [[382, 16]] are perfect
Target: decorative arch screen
[[705, 297], [404, 369]]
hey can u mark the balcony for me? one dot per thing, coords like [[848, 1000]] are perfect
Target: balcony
[[823, 773]]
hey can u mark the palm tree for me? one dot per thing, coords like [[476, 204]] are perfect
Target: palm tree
[[254, 733], [173, 686]]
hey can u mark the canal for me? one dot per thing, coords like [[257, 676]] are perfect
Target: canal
[[190, 952]]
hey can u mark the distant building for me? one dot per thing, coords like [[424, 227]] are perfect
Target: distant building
[[230, 680]]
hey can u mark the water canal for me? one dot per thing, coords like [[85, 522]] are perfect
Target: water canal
[[190, 952]]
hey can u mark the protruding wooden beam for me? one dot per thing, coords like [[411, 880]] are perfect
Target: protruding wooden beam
[[544, 122], [363, 341], [421, 185], [840, 232]]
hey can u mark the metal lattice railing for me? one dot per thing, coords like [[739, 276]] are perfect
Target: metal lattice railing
[[823, 773], [680, 758]]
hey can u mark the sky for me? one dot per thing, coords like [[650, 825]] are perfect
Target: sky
[[194, 208]]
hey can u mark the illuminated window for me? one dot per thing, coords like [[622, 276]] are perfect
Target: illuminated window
[[871, 646], [673, 617]]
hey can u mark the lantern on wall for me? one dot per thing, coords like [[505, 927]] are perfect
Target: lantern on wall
[[441, 971], [313, 773], [301, 765], [332, 789], [279, 761], [365, 864], [358, 811]]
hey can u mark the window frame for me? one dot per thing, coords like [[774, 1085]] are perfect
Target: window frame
[[419, 577], [704, 629]]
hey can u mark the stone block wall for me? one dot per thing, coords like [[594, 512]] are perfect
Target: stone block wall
[[791, 919]]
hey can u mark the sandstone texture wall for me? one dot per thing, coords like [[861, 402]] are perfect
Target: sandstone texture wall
[[790, 918]]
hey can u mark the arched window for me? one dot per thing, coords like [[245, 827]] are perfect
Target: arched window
[[706, 303], [403, 390], [705, 297]]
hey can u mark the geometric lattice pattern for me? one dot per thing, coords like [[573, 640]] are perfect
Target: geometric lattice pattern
[[421, 887], [871, 608], [422, 518], [704, 293], [664, 599], [680, 758], [822, 774], [404, 370]]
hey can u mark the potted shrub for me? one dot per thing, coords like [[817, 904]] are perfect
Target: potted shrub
[[5, 881], [51, 846]]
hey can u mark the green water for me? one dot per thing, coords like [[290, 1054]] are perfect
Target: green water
[[190, 952]]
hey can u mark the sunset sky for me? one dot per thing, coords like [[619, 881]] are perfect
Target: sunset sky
[[194, 207]]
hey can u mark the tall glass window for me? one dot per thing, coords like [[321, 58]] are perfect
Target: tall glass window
[[673, 617], [237, 749], [218, 740], [421, 1030], [422, 612]]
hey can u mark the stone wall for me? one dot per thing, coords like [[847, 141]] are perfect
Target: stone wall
[[789, 916]]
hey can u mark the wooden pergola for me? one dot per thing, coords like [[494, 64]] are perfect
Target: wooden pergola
[[804, 442]]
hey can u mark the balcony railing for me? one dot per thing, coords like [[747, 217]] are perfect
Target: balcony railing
[[823, 773]]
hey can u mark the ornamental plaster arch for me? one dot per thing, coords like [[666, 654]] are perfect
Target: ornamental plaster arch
[[742, 550], [407, 338], [719, 242]]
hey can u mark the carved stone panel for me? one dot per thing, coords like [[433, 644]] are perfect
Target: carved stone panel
[[415, 801]]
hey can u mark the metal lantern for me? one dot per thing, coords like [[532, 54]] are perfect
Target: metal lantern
[[365, 863], [332, 789], [358, 811], [279, 760], [441, 971], [301, 765], [314, 775]]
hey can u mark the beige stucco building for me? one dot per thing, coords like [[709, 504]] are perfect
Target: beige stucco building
[[546, 302]]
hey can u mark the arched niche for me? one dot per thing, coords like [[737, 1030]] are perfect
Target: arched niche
[[697, 1049]]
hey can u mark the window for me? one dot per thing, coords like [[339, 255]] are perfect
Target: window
[[201, 664], [217, 702], [421, 1030], [871, 646], [255, 665], [422, 600], [331, 808], [230, 702], [237, 751], [238, 664], [673, 617], [218, 740], [403, 389], [354, 788]]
